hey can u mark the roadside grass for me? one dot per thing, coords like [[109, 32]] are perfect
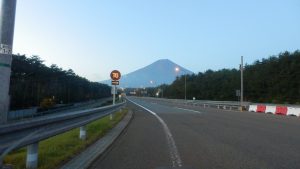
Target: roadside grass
[[55, 151]]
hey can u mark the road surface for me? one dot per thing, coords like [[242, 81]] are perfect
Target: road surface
[[163, 135]]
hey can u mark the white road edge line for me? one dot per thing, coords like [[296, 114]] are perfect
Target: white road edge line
[[189, 110], [176, 160]]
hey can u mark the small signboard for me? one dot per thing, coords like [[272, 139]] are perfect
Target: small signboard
[[115, 82], [5, 49]]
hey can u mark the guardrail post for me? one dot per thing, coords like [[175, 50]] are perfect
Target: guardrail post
[[82, 133], [32, 156], [111, 116]]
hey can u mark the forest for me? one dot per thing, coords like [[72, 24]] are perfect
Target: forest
[[272, 80], [32, 83]]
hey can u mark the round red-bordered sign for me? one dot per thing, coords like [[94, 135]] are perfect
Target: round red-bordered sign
[[115, 75]]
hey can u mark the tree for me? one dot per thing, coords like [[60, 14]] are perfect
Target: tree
[[274, 80], [32, 82]]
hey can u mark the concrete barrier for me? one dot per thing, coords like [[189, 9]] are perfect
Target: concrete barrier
[[252, 108], [275, 109], [281, 110], [261, 108], [270, 109], [292, 111]]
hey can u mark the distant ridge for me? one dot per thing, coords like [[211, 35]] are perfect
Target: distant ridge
[[160, 72]]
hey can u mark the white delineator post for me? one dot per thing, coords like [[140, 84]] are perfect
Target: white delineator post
[[7, 24], [32, 156], [82, 133]]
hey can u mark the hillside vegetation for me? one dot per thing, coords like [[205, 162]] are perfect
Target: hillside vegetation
[[33, 84], [272, 80]]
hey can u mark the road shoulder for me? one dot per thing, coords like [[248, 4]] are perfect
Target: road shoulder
[[85, 159]]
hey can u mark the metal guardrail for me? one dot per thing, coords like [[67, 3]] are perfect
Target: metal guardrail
[[226, 105], [33, 113], [37, 129]]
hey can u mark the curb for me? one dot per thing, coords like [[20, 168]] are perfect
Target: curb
[[86, 158]]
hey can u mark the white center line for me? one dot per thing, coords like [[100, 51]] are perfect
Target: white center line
[[176, 160]]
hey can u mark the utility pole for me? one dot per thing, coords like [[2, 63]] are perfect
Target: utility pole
[[7, 24], [242, 83]]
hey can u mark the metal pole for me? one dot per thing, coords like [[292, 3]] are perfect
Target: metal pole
[[114, 100], [185, 87], [7, 23], [114, 94], [242, 83]]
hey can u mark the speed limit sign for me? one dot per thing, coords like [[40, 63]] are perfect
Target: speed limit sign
[[115, 75]]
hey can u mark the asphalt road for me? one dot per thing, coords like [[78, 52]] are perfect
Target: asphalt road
[[203, 138]]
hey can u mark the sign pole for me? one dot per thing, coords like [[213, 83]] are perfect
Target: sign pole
[[115, 77], [114, 100], [114, 95], [7, 24]]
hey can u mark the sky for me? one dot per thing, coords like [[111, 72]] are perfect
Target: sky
[[94, 37]]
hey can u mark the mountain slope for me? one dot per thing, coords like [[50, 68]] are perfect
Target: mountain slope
[[157, 73]]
